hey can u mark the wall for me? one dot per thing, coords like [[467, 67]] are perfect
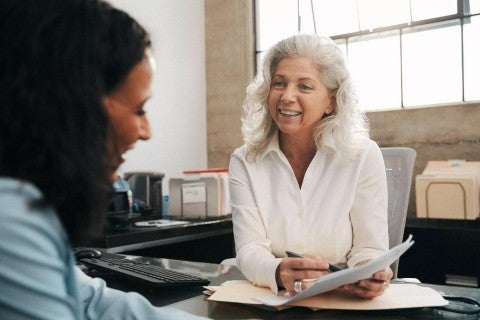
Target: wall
[[436, 133], [229, 68], [177, 109]]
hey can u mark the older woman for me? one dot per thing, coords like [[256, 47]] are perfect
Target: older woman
[[308, 178]]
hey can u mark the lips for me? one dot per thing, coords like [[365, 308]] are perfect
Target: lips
[[288, 113]]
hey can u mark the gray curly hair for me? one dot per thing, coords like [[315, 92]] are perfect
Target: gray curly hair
[[336, 132]]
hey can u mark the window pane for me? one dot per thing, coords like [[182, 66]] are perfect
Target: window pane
[[427, 9], [432, 65], [381, 13], [472, 6], [306, 16], [335, 17], [375, 67], [276, 20], [472, 62]]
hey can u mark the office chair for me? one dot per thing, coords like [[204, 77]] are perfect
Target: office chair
[[399, 163]]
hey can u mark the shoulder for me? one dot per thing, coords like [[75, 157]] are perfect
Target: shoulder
[[365, 149], [26, 228], [240, 152]]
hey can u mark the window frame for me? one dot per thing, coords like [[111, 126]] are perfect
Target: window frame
[[426, 24]]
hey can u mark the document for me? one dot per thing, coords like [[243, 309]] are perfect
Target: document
[[342, 277], [396, 296]]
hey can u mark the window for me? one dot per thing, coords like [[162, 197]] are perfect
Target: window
[[401, 53]]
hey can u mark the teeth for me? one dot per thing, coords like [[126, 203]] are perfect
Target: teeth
[[289, 113]]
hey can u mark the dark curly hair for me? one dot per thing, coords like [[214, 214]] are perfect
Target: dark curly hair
[[58, 58]]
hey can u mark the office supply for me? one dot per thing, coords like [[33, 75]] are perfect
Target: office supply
[[147, 189], [151, 274], [84, 253], [449, 190], [342, 277], [331, 267], [460, 304], [396, 296], [159, 223], [199, 195]]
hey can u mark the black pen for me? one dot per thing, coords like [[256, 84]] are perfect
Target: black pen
[[331, 267]]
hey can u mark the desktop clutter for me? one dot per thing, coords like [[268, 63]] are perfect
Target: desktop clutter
[[449, 190], [196, 194], [199, 194]]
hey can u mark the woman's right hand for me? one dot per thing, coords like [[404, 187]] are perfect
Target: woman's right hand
[[306, 269]]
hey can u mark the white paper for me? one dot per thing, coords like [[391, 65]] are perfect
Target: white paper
[[342, 277], [396, 296], [194, 192]]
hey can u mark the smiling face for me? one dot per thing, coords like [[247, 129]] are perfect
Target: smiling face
[[298, 99], [125, 109]]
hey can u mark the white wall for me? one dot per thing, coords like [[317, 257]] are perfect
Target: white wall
[[177, 109]]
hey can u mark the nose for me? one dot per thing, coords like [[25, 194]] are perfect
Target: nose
[[288, 95], [145, 132]]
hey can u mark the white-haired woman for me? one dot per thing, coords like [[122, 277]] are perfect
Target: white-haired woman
[[308, 178]]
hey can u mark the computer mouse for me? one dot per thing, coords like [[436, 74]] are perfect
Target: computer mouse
[[87, 253]]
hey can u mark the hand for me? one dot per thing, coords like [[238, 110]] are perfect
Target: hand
[[300, 269], [371, 287]]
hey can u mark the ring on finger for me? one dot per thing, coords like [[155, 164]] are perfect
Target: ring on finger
[[297, 286]]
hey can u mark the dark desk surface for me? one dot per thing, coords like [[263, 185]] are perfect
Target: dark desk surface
[[131, 238], [192, 299]]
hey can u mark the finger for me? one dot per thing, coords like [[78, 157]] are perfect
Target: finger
[[307, 263], [384, 275], [373, 285]]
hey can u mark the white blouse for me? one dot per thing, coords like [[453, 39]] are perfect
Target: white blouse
[[339, 213]]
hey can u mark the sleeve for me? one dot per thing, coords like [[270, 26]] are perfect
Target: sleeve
[[253, 252], [369, 213], [103, 303], [32, 271]]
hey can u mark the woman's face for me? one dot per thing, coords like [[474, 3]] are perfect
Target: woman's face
[[125, 109], [298, 99]]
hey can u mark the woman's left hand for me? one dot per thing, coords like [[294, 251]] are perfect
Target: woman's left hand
[[371, 287]]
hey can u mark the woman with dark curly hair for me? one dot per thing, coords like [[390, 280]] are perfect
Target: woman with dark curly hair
[[74, 79]]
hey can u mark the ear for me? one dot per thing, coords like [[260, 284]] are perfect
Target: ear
[[333, 102], [107, 104]]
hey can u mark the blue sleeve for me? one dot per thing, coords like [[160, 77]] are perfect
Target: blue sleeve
[[38, 278], [33, 272], [105, 303]]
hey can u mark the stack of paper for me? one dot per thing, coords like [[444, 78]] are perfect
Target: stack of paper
[[319, 295], [396, 296]]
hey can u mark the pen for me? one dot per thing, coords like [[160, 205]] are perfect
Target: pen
[[331, 267]]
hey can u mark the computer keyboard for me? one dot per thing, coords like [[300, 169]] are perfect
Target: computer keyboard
[[150, 274]]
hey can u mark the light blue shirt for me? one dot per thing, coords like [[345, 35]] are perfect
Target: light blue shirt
[[38, 276]]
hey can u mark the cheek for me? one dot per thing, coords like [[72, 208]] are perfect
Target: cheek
[[124, 130], [272, 102]]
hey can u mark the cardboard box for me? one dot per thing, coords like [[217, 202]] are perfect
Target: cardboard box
[[199, 195], [448, 190]]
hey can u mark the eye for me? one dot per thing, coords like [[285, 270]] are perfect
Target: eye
[[278, 84], [305, 87], [140, 111]]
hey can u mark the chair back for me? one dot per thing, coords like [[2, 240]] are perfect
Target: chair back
[[399, 163]]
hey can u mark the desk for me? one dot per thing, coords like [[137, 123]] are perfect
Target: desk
[[193, 301], [443, 248], [191, 241]]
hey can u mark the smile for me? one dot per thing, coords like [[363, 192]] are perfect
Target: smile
[[289, 113]]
